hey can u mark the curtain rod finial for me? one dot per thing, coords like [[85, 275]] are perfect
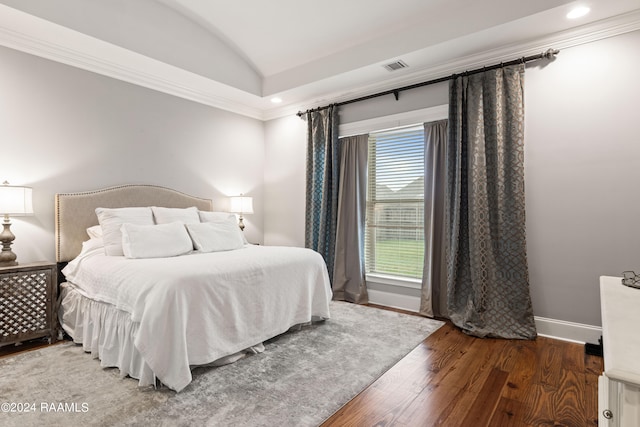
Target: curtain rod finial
[[550, 53]]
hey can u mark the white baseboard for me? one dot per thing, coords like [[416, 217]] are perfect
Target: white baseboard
[[551, 328], [568, 331], [388, 299]]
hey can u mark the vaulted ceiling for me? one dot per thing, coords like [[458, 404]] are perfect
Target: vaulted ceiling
[[239, 55]]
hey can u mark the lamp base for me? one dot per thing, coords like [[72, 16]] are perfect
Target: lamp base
[[8, 263], [7, 257]]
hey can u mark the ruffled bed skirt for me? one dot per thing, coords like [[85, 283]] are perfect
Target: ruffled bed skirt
[[109, 334]]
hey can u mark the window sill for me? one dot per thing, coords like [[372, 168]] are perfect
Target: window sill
[[403, 282]]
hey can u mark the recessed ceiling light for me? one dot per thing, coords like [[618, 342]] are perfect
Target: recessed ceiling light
[[578, 12], [276, 100]]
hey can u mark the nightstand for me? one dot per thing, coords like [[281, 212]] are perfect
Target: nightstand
[[28, 294]]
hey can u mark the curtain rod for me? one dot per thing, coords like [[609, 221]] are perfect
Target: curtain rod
[[548, 54]]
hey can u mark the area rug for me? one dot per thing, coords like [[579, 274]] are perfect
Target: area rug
[[301, 379]]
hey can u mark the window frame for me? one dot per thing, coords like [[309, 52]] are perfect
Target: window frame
[[395, 215], [388, 122]]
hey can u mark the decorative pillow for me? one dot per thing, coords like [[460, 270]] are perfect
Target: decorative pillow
[[167, 215], [112, 219], [216, 236], [155, 241], [207, 216], [94, 232]]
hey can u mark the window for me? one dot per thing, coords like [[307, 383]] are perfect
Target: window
[[394, 235]]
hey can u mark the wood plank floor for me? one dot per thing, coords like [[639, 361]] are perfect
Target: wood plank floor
[[11, 349], [452, 379]]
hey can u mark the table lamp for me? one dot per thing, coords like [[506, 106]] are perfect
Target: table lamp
[[241, 205], [14, 201]]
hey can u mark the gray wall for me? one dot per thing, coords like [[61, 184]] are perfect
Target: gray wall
[[63, 129], [284, 181], [582, 172]]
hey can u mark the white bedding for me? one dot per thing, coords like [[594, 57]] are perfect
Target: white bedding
[[197, 308]]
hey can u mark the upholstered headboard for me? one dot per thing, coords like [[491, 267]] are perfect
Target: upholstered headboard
[[75, 212]]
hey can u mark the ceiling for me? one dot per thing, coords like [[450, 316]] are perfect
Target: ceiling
[[238, 55]]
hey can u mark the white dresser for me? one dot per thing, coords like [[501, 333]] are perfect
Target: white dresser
[[619, 385]]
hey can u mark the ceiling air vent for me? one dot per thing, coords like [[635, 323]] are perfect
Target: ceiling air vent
[[394, 66]]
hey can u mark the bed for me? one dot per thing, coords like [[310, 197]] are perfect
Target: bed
[[155, 317]]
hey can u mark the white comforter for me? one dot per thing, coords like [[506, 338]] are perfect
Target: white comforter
[[197, 308]]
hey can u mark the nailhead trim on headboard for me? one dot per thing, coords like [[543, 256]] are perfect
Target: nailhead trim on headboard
[[75, 212]]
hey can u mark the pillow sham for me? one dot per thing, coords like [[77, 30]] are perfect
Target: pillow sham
[[216, 236], [155, 241], [111, 219], [167, 215], [207, 216], [92, 244], [94, 232]]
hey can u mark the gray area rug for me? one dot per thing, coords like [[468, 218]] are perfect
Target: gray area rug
[[301, 379]]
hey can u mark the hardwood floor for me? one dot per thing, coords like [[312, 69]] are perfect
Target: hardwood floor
[[11, 349], [452, 379]]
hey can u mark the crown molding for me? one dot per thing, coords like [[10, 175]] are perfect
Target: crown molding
[[36, 36]]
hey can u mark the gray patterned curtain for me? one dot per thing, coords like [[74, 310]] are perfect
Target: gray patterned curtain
[[349, 273], [487, 273], [322, 183]]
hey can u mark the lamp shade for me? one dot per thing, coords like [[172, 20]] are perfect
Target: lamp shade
[[242, 204], [15, 200]]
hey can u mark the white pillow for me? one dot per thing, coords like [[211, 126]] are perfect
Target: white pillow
[[92, 244], [167, 215], [94, 232], [216, 236], [206, 216], [155, 241], [112, 219]]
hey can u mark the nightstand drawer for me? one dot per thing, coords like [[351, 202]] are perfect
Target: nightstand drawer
[[27, 302]]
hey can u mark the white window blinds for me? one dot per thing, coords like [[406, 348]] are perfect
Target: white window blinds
[[394, 235]]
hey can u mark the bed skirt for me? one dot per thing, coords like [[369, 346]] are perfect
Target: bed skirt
[[109, 334]]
